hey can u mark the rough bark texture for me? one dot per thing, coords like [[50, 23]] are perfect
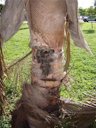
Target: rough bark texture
[[31, 110], [2, 94], [47, 32]]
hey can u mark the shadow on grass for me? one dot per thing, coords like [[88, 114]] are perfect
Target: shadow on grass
[[89, 31], [23, 28]]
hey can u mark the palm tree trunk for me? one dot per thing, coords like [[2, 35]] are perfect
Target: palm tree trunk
[[47, 32]]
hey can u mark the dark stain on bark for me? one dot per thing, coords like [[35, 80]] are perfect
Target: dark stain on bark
[[45, 57], [54, 102]]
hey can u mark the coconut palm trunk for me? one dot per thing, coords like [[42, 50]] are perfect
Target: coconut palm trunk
[[47, 31]]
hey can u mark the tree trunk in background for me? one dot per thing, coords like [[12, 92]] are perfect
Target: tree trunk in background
[[2, 95]]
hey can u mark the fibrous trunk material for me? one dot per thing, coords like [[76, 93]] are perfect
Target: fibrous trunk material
[[40, 102]]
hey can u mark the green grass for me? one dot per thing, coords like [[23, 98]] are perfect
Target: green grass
[[17, 46], [83, 66], [82, 73]]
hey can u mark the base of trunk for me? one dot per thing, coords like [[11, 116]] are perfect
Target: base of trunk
[[35, 108]]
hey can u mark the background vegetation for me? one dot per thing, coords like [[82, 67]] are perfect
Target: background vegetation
[[82, 69], [91, 11]]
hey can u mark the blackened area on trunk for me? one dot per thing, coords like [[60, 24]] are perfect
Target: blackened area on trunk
[[54, 102], [54, 110], [45, 57]]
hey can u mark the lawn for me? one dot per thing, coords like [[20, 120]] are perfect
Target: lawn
[[82, 68]]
